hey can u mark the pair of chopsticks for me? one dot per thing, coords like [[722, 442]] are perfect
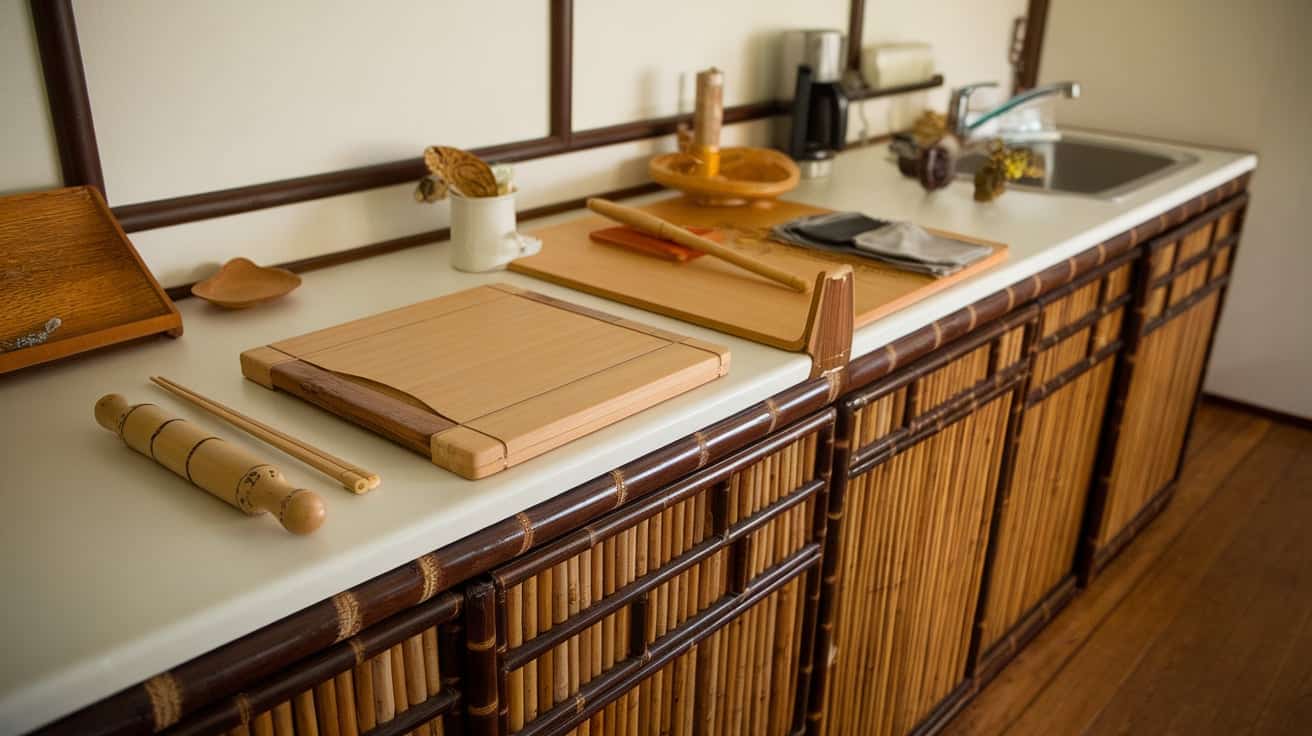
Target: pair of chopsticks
[[655, 226], [354, 478]]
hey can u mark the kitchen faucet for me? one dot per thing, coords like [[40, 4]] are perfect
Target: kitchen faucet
[[958, 106]]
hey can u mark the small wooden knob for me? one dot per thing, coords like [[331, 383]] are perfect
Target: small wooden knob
[[303, 512], [109, 409]]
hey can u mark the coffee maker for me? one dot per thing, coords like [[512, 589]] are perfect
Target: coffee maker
[[811, 77]]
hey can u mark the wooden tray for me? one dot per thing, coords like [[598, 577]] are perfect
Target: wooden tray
[[721, 296], [488, 377], [62, 254]]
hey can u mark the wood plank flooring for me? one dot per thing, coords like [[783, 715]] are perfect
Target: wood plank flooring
[[1203, 625]]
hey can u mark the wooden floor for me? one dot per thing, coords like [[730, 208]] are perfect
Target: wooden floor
[[1203, 625]]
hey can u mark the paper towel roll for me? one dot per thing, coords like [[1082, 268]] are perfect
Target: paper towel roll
[[896, 64]]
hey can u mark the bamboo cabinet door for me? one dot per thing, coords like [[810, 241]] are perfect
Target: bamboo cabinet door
[[909, 520], [687, 611], [1045, 486], [1180, 285]]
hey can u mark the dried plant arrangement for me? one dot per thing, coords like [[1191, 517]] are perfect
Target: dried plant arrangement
[[461, 171]]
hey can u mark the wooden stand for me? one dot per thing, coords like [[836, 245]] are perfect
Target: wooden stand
[[63, 256]]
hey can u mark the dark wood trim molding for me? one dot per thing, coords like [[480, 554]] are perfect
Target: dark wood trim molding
[[66, 91], [1274, 415], [856, 20], [1036, 22], [562, 70], [870, 93], [654, 127]]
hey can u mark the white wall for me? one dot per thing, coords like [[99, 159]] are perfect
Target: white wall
[[1236, 75], [28, 157]]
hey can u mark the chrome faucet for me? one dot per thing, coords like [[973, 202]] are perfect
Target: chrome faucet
[[959, 105]]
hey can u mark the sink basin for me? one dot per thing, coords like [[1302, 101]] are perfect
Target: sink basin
[[1090, 167]]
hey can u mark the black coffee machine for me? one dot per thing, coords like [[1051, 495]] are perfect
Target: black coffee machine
[[813, 61]]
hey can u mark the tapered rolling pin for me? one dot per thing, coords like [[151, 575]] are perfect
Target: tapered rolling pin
[[653, 225], [225, 470]]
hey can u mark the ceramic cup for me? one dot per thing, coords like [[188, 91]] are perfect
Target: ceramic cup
[[483, 235]]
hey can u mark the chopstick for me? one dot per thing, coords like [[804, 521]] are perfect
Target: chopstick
[[354, 478], [653, 225]]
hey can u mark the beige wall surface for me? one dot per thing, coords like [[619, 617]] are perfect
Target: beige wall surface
[[1227, 74], [637, 59], [28, 158], [191, 96]]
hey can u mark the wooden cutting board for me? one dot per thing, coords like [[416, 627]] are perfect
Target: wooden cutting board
[[486, 378], [716, 294]]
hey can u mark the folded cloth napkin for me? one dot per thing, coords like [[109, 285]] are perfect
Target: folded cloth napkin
[[902, 245]]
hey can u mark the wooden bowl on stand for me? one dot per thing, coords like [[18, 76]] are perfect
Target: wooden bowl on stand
[[746, 176]]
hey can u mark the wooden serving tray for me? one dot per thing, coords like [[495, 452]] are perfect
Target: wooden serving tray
[[486, 378], [62, 254], [716, 294]]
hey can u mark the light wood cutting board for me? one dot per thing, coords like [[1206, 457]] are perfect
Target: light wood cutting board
[[486, 378], [710, 292]]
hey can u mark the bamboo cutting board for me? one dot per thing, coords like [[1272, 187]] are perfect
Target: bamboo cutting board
[[486, 378], [716, 294]]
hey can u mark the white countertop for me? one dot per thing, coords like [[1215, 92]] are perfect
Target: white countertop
[[114, 570]]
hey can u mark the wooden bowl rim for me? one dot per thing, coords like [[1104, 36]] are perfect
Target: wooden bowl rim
[[727, 188]]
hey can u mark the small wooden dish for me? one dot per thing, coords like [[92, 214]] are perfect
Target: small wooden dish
[[747, 175], [241, 284]]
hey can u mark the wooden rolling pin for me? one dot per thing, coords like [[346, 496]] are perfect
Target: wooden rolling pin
[[653, 225], [225, 470]]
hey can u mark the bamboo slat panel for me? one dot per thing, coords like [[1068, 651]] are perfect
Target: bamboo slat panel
[[1179, 295], [914, 534], [1167, 369], [1039, 519], [1046, 486], [357, 700], [577, 619]]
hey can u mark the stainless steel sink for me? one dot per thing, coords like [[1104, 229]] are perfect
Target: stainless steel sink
[[1090, 167]]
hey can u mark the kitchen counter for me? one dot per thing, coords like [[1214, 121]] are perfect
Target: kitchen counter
[[114, 570]]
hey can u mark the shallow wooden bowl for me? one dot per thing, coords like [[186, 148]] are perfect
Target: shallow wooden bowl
[[746, 175], [241, 284]]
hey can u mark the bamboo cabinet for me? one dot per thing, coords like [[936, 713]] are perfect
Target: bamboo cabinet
[[1041, 504], [1180, 284], [819, 562], [689, 612], [909, 517]]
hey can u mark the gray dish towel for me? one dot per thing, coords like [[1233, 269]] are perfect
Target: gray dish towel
[[902, 245]]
